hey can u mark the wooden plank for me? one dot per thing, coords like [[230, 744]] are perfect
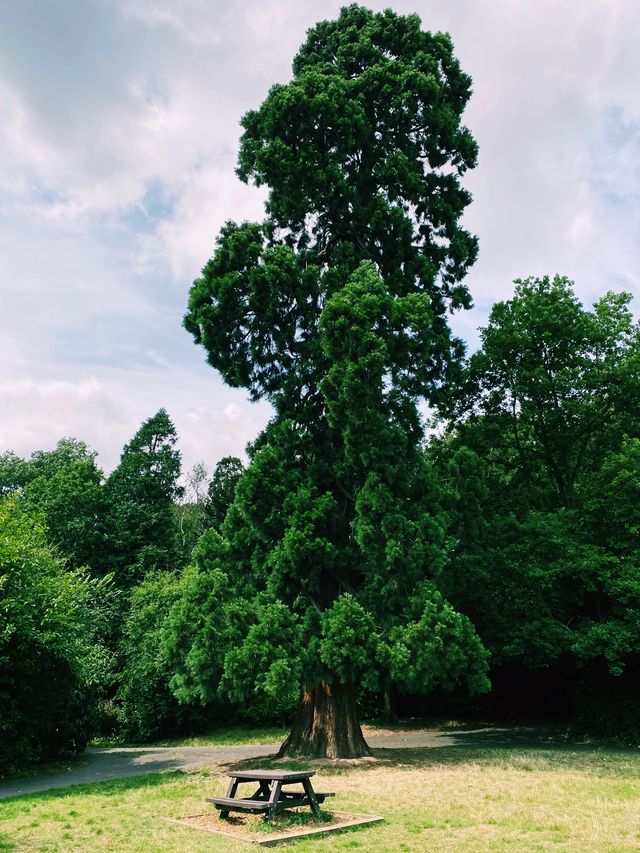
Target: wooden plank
[[313, 802], [356, 820], [231, 792], [269, 775], [276, 787], [238, 804]]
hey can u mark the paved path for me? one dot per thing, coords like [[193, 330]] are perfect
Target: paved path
[[102, 764]]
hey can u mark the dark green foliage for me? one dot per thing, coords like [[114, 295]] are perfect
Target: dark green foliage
[[141, 521], [363, 148], [606, 705], [321, 571], [334, 309], [14, 472], [612, 501], [51, 672], [362, 152], [65, 486], [148, 707], [543, 486], [222, 489], [556, 385]]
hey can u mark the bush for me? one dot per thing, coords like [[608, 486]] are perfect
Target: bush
[[608, 706], [49, 668], [147, 707]]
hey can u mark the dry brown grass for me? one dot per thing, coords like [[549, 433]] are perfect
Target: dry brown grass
[[452, 799]]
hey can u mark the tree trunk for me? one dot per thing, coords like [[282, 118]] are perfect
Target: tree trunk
[[388, 705], [326, 724]]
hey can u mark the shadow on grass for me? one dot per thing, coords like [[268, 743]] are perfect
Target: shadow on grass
[[102, 789], [48, 768], [514, 737], [519, 747]]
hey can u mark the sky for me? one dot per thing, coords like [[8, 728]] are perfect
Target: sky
[[120, 128]]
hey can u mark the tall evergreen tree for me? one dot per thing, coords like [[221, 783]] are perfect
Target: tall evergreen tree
[[140, 492], [335, 310], [222, 488]]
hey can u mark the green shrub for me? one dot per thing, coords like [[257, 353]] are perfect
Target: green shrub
[[50, 670], [147, 707]]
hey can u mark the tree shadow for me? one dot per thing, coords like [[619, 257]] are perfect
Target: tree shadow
[[106, 788], [518, 737], [46, 768], [521, 747]]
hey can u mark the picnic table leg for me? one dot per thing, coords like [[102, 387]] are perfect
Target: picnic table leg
[[262, 793], [233, 787], [308, 789], [276, 787]]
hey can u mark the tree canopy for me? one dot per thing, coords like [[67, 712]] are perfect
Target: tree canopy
[[552, 379], [64, 485], [48, 663], [141, 521], [334, 309], [541, 465]]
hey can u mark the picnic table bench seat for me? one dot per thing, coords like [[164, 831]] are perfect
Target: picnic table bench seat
[[287, 798], [239, 804]]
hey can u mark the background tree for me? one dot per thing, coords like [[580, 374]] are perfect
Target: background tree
[[147, 706], [64, 485], [191, 511], [556, 383], [205, 501], [334, 309], [14, 472], [140, 493], [222, 488], [50, 669], [541, 486]]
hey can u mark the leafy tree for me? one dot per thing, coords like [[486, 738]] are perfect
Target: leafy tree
[[206, 501], [14, 472], [50, 669], [149, 709], [612, 500], [334, 309], [65, 486], [140, 492], [542, 486], [191, 512], [554, 380], [222, 489]]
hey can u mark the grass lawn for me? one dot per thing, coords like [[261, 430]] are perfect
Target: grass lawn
[[432, 800], [222, 736]]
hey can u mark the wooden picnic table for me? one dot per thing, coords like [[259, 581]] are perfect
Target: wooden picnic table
[[270, 797]]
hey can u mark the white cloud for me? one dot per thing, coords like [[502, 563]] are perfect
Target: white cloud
[[120, 130], [185, 240], [35, 415]]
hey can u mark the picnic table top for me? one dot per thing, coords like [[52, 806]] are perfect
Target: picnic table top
[[277, 775]]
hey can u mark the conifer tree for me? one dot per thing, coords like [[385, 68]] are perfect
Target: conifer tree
[[141, 522], [335, 310]]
